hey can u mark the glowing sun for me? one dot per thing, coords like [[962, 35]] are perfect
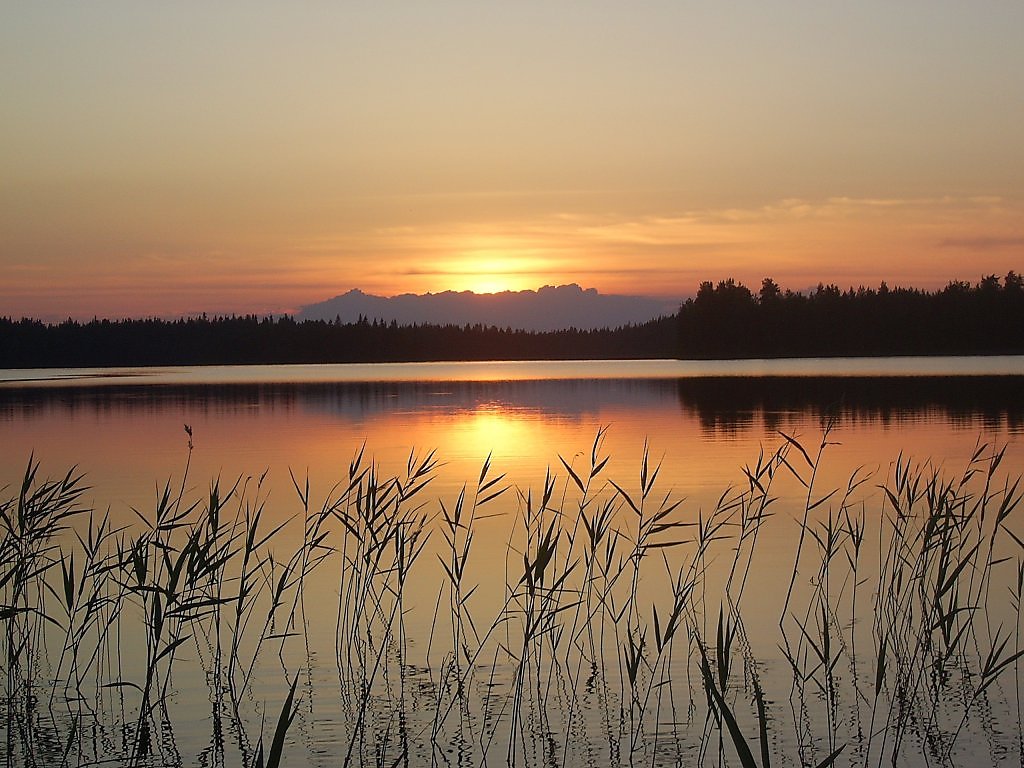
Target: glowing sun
[[487, 272]]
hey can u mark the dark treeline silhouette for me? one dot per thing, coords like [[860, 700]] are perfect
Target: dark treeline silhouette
[[728, 320], [255, 340]]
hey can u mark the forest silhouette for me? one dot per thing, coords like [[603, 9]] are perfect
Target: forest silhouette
[[724, 320], [728, 320]]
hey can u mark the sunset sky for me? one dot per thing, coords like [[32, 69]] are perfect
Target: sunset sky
[[173, 158]]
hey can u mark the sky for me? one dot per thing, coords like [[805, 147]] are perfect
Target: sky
[[175, 158]]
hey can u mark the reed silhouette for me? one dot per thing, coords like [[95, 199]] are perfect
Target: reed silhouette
[[900, 622]]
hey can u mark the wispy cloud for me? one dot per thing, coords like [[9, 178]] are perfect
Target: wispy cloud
[[982, 243], [921, 242]]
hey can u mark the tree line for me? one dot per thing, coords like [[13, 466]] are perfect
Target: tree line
[[723, 320], [263, 340], [728, 320]]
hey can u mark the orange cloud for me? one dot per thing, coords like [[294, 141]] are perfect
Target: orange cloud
[[850, 241]]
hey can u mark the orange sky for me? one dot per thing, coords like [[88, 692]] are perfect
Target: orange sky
[[257, 156]]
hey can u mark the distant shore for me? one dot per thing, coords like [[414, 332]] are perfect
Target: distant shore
[[722, 322]]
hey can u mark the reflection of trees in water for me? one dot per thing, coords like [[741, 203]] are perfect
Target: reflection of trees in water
[[723, 406], [732, 405], [552, 398]]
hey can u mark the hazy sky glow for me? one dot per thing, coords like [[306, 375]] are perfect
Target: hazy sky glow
[[236, 157]]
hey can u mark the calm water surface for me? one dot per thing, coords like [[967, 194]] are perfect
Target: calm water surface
[[994, 365], [706, 419], [702, 421]]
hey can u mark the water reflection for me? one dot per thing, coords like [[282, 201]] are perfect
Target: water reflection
[[726, 405], [730, 404], [129, 438]]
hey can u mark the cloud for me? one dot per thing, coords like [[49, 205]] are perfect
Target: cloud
[[982, 243]]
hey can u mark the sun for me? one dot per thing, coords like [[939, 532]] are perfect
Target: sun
[[484, 271], [491, 263], [488, 284]]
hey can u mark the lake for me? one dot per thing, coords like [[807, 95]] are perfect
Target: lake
[[523, 634]]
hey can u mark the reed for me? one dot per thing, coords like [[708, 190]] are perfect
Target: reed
[[621, 630]]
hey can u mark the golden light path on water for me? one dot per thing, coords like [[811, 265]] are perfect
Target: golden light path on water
[[129, 441]]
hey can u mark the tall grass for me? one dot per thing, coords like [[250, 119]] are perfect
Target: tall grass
[[618, 624]]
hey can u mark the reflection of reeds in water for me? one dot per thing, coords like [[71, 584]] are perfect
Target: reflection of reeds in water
[[620, 636]]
